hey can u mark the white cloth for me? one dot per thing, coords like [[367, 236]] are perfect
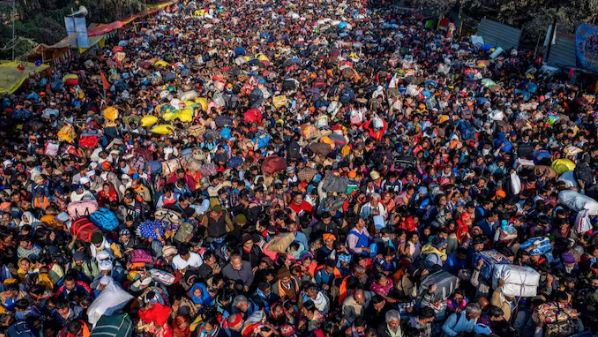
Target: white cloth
[[194, 261]]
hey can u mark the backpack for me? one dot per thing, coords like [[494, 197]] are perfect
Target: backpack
[[584, 173], [184, 233], [192, 164], [165, 214], [196, 130], [82, 208], [347, 96], [105, 219], [83, 229], [140, 256]]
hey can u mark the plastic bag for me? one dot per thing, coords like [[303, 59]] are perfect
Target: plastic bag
[[582, 222], [111, 299], [163, 129], [187, 95], [280, 101], [185, 115], [569, 179], [578, 202], [148, 121], [563, 165], [515, 183]]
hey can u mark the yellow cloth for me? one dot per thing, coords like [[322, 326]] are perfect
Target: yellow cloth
[[429, 249]]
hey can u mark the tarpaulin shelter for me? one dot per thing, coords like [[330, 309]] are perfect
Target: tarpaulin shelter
[[12, 76], [102, 29]]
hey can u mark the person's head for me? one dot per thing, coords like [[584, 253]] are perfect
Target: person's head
[[235, 322], [562, 298], [378, 302], [473, 311], [210, 323], [459, 295], [393, 319], [70, 282], [360, 325], [359, 296], [426, 315], [298, 199], [382, 279], [495, 313], [184, 252], [62, 306], [312, 291], [308, 308], [75, 327], [236, 262], [12, 290], [240, 302]]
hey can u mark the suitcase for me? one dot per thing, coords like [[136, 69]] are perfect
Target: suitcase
[[491, 258], [446, 284], [117, 325], [83, 229]]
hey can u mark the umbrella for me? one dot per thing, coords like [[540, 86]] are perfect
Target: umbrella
[[338, 139], [320, 148], [488, 83]]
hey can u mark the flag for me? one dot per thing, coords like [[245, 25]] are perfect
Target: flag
[[105, 84]]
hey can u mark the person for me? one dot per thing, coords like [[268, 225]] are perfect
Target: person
[[422, 323], [186, 259], [392, 325], [504, 302], [239, 271], [354, 305], [304, 173], [358, 239], [498, 324], [462, 322]]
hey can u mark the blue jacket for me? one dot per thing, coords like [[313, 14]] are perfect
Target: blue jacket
[[457, 323]]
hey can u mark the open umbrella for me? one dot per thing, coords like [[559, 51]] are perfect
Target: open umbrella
[[320, 148], [488, 83]]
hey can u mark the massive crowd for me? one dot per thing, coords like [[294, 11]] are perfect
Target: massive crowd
[[297, 168]]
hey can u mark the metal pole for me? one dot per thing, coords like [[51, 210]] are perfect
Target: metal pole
[[552, 29], [14, 42]]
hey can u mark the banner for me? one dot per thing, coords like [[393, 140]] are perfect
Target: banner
[[586, 47], [75, 25]]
